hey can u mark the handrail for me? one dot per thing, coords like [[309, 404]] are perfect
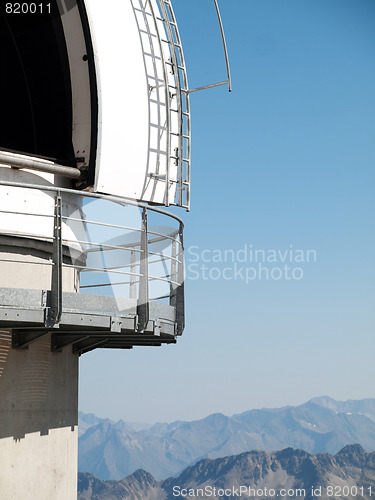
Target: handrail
[[229, 79], [86, 194]]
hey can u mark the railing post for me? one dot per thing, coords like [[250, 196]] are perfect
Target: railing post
[[55, 309], [143, 298], [174, 277], [133, 279], [180, 291]]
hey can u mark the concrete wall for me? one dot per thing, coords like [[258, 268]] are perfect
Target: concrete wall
[[31, 268], [38, 395], [38, 421]]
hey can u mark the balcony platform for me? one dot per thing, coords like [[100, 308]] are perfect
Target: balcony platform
[[87, 321]]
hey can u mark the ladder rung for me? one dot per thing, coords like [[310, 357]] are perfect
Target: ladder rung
[[176, 133], [154, 101], [182, 68], [150, 77], [184, 183], [178, 111], [152, 55], [158, 177], [160, 127], [142, 11], [148, 33], [153, 150]]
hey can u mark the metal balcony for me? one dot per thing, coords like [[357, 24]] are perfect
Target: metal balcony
[[109, 272]]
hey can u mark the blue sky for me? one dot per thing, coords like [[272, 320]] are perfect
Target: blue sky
[[286, 159]]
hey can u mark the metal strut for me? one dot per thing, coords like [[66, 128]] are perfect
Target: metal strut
[[20, 161], [224, 45], [143, 295], [180, 291], [229, 80], [55, 309]]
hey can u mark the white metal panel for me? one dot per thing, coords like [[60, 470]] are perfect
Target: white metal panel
[[135, 144], [80, 82], [29, 212]]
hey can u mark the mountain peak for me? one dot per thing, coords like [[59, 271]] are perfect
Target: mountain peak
[[113, 451], [141, 476], [353, 453], [325, 401], [289, 468]]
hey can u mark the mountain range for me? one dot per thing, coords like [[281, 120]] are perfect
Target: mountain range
[[322, 425], [265, 475]]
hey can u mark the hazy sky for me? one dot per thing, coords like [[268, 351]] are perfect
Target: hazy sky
[[283, 163]]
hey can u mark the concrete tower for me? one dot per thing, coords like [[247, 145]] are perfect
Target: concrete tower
[[94, 140]]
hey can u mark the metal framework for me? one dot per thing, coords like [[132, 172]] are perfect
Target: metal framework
[[228, 81], [182, 153], [180, 91], [130, 286], [177, 102]]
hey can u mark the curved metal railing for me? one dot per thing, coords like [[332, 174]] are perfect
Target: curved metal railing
[[110, 246]]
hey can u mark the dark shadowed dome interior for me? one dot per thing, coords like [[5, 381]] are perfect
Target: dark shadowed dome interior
[[35, 87]]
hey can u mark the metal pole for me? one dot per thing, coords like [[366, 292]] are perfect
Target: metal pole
[[143, 296], [224, 45], [22, 161], [172, 300], [55, 309], [133, 280], [180, 291]]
